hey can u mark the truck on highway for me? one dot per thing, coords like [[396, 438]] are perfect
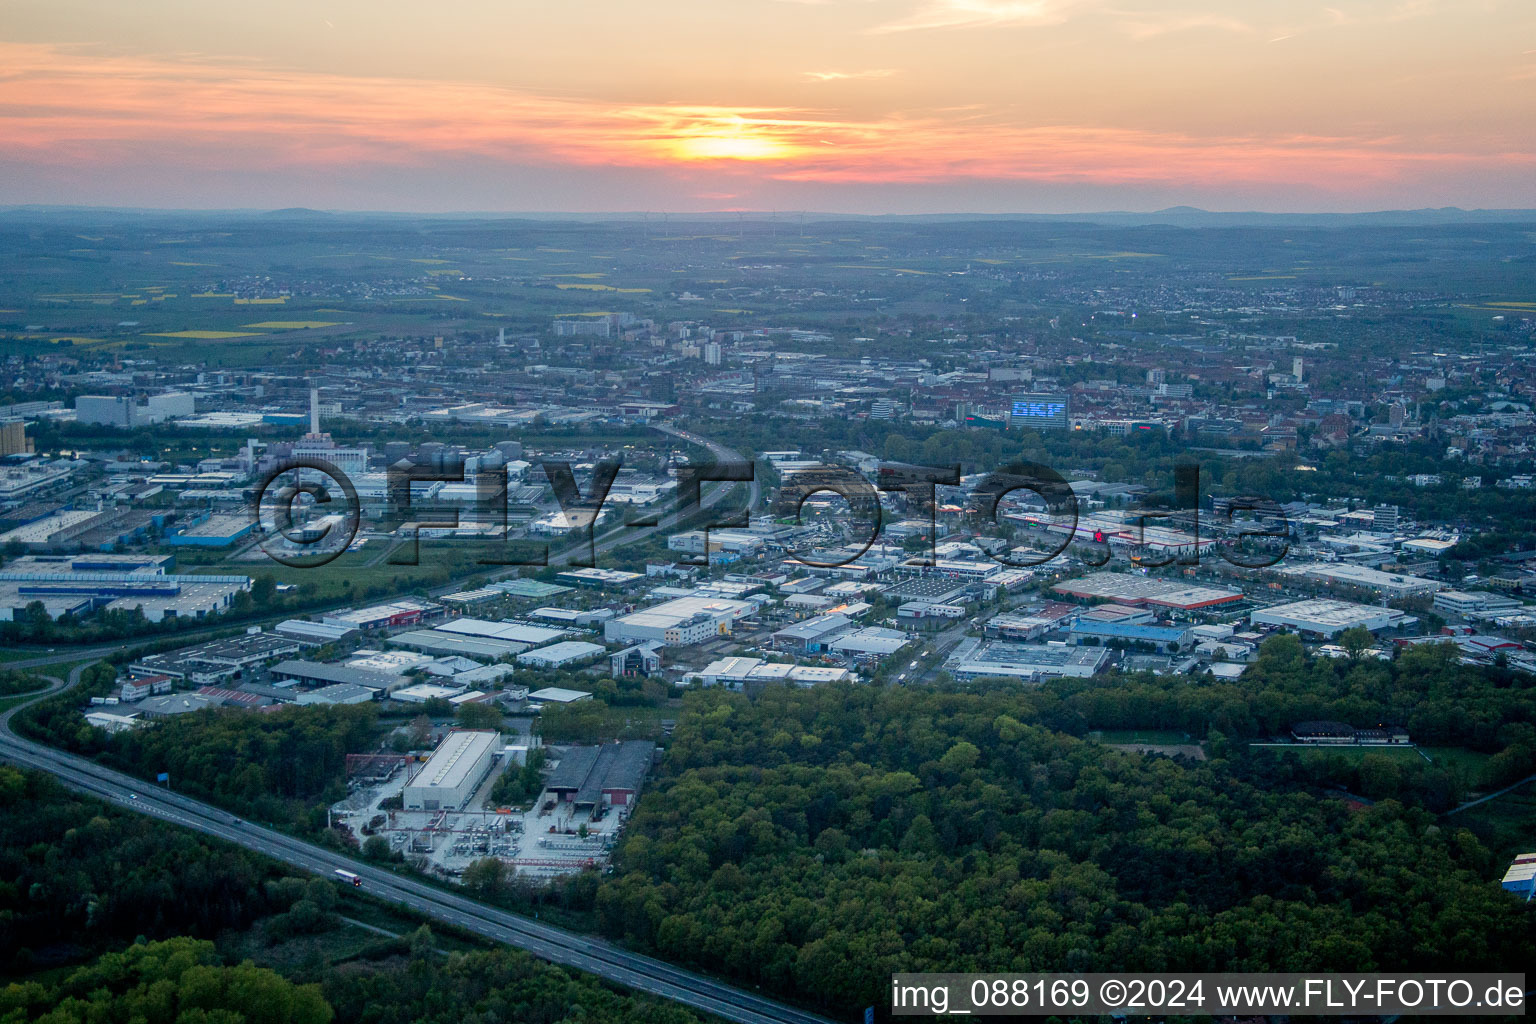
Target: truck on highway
[[348, 876]]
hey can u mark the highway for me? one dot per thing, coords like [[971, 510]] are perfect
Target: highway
[[569, 949]]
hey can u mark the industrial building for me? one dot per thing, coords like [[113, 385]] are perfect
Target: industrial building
[[1329, 618], [607, 776], [314, 673], [339, 693], [312, 632], [1520, 879], [420, 693], [516, 632], [123, 411], [1136, 591], [1386, 585], [1169, 639], [215, 660], [1129, 533], [394, 615], [1026, 661], [16, 482], [218, 531], [567, 652], [736, 673], [869, 644], [1473, 603], [679, 622], [453, 772], [556, 695], [533, 589], [812, 635], [158, 597], [435, 641], [601, 578]]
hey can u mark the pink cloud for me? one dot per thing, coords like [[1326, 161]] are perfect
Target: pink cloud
[[63, 108]]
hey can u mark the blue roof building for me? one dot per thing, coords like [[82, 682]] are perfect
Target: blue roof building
[[1164, 638]]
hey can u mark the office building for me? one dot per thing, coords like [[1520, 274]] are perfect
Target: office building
[[1040, 411]]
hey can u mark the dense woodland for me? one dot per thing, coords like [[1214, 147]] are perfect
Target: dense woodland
[[815, 840], [818, 840], [1425, 688], [282, 767]]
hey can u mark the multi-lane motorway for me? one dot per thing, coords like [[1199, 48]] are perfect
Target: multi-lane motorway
[[582, 952], [556, 945]]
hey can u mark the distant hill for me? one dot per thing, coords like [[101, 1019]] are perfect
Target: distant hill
[[298, 213]]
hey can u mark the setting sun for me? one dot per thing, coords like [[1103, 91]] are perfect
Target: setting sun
[[729, 137], [728, 147]]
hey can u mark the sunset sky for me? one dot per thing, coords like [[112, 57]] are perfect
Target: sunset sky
[[858, 106]]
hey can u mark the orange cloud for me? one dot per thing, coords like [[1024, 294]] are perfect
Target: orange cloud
[[61, 107]]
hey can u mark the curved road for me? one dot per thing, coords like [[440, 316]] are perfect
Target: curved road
[[569, 949], [556, 945]]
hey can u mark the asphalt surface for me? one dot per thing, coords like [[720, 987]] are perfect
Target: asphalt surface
[[569, 949]]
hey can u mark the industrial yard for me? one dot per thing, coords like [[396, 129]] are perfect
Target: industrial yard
[[588, 795]]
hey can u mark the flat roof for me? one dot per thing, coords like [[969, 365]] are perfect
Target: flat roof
[[446, 643], [530, 588], [426, 692], [558, 695], [810, 629], [1131, 589], [1325, 612], [1017, 656], [312, 630], [871, 640], [1360, 575], [516, 631], [317, 671], [566, 650], [453, 760], [681, 609]]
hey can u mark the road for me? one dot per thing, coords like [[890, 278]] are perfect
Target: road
[[569, 949], [612, 538], [556, 945], [1491, 796]]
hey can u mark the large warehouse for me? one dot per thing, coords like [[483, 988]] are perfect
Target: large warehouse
[[609, 775], [567, 652], [455, 769], [1385, 585], [685, 620], [1329, 618], [1138, 591], [1025, 661]]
